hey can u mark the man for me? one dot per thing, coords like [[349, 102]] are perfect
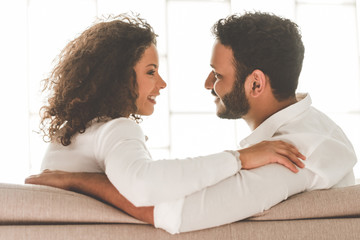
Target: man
[[256, 60]]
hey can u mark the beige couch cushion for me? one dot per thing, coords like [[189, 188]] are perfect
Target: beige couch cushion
[[336, 202], [31, 204], [315, 229], [41, 204]]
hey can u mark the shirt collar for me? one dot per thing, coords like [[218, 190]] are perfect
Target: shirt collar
[[268, 128]]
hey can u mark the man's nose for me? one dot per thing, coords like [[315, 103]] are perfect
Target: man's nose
[[210, 80]]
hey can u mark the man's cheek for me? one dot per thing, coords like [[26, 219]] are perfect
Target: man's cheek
[[217, 88]]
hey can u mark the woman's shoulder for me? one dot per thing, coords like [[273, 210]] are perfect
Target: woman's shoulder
[[123, 128]]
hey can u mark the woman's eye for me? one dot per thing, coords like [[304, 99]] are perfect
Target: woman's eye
[[152, 72]]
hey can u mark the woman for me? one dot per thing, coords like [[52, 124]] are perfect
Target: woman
[[104, 81]]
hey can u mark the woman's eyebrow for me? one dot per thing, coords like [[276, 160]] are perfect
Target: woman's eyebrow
[[154, 65]]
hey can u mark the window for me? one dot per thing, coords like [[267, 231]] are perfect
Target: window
[[184, 122]]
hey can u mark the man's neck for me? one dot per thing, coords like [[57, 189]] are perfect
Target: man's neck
[[263, 110]]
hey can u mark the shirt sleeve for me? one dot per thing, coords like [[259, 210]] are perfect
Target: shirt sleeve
[[238, 197], [252, 191], [145, 182], [331, 160], [330, 156]]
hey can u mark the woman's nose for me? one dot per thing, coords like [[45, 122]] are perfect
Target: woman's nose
[[161, 83]]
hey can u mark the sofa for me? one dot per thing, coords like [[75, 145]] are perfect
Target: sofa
[[41, 212]]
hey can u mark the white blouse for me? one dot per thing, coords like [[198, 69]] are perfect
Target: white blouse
[[117, 147]]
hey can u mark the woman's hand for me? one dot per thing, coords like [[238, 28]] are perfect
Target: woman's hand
[[58, 179], [267, 152]]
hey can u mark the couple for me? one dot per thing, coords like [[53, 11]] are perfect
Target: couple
[[108, 77]]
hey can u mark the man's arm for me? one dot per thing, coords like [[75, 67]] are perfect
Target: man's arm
[[247, 193], [96, 185]]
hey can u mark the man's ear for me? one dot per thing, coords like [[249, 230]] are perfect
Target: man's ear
[[256, 83]]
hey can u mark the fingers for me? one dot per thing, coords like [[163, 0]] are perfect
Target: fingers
[[31, 179], [295, 151], [290, 156], [285, 162], [297, 161], [37, 178]]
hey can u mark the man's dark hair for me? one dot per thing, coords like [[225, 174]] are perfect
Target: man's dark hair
[[266, 42]]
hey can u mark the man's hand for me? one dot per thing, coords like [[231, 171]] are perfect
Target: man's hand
[[267, 152], [58, 179], [96, 185]]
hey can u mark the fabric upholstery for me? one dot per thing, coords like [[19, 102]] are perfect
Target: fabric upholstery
[[315, 229], [42, 204], [39, 212], [337, 202]]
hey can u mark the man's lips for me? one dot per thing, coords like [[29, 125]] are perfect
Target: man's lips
[[213, 93], [217, 99]]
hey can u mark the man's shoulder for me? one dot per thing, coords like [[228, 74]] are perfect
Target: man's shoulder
[[330, 154], [311, 121]]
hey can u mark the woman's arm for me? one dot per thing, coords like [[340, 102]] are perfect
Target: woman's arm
[[145, 182], [96, 185]]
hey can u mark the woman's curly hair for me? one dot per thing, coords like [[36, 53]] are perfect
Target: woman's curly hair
[[94, 77]]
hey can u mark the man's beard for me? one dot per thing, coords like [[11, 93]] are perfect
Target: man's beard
[[235, 103]]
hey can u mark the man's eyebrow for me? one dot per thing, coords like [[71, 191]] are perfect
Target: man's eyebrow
[[153, 65], [212, 66]]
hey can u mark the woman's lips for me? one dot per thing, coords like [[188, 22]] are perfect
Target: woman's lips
[[152, 99]]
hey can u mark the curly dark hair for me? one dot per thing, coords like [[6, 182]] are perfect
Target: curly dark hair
[[266, 42], [94, 77]]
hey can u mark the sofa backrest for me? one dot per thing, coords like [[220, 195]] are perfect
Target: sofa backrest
[[29, 204], [26, 204]]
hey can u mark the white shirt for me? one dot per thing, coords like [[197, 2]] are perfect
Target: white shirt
[[117, 147], [329, 163]]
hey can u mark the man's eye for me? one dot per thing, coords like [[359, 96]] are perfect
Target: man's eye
[[217, 76]]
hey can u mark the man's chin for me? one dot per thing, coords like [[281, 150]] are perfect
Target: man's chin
[[223, 113], [226, 114], [220, 111]]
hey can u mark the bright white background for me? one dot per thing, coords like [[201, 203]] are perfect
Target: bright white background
[[34, 31]]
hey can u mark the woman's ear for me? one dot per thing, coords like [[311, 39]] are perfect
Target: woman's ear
[[256, 83]]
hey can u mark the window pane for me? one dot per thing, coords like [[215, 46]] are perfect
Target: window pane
[[283, 8], [13, 92], [152, 11], [330, 71], [199, 134], [159, 153], [190, 45]]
